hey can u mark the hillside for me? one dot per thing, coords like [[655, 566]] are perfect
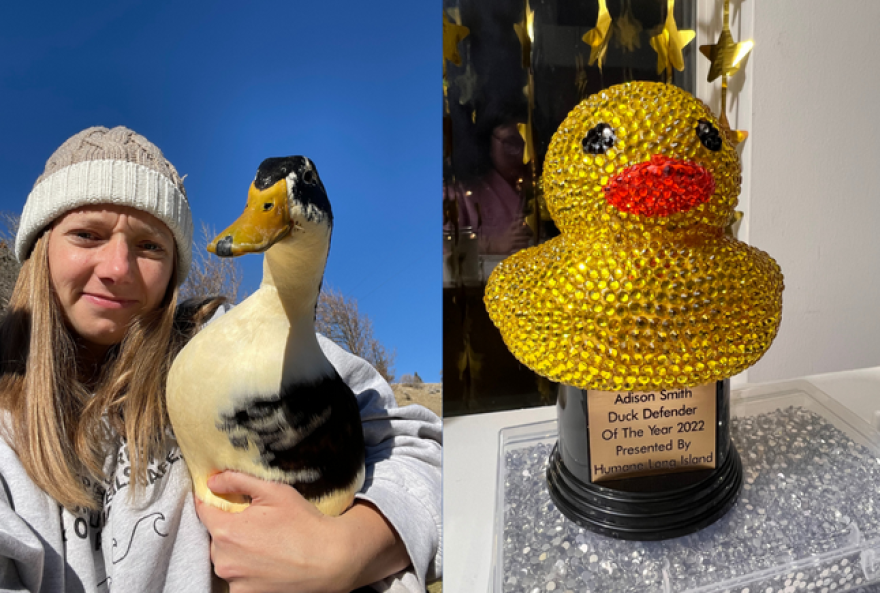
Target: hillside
[[429, 395], [8, 273]]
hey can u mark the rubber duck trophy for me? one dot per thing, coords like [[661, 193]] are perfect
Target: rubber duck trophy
[[642, 308]]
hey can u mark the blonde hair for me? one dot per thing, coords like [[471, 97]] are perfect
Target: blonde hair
[[59, 423]]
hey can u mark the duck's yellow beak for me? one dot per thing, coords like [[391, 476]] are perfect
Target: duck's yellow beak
[[264, 222]]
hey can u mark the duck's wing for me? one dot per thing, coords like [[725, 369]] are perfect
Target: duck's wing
[[312, 432]]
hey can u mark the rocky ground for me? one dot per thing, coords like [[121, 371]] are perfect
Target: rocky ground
[[429, 395]]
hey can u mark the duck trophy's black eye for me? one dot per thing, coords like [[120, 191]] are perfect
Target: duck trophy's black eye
[[599, 139], [309, 177], [708, 135]]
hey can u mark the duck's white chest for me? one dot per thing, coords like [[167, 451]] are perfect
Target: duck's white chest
[[250, 352]]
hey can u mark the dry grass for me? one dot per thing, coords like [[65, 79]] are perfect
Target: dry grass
[[429, 395]]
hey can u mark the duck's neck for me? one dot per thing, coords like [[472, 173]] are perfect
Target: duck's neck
[[294, 268]]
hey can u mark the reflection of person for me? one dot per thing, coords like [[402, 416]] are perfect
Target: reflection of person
[[488, 208], [95, 495], [493, 204]]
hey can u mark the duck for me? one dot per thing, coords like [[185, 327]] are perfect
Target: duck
[[253, 391], [642, 289]]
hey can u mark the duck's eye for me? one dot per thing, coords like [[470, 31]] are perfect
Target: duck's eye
[[599, 139], [267, 206], [309, 177], [708, 135]]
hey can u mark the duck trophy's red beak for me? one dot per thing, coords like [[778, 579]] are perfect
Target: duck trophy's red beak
[[660, 187]]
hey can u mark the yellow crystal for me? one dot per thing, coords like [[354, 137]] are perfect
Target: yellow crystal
[[635, 300]]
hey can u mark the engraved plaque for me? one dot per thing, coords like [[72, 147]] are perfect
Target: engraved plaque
[[639, 433]]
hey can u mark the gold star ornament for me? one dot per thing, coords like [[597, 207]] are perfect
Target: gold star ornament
[[452, 34], [525, 30], [727, 56], [736, 137], [599, 37], [525, 132], [627, 31], [670, 42]]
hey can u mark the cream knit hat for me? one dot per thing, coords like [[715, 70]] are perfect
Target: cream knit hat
[[101, 166]]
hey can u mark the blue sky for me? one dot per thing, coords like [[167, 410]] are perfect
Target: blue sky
[[219, 86]]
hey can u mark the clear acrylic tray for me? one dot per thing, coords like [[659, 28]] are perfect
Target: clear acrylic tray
[[807, 518]]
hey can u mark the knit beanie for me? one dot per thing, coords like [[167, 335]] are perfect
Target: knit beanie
[[101, 166]]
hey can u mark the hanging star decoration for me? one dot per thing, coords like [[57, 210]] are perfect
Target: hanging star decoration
[[469, 360], [732, 228], [452, 34], [670, 42], [727, 57], [599, 36], [525, 132], [525, 30], [737, 137], [627, 30], [467, 85], [580, 77]]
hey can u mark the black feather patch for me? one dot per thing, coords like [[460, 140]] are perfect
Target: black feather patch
[[312, 432], [308, 188]]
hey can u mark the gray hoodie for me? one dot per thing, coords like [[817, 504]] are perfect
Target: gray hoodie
[[156, 542]]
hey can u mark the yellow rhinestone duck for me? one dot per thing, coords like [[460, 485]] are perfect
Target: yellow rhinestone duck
[[643, 289]]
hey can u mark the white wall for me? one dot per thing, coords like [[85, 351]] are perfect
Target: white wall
[[810, 99]]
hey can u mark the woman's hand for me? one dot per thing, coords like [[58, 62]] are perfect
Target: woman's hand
[[283, 543]]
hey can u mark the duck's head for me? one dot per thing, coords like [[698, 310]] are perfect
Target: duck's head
[[285, 199], [642, 158]]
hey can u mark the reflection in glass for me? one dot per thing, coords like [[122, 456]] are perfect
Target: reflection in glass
[[492, 203]]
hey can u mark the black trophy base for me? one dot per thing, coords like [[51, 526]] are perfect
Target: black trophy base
[[647, 508]]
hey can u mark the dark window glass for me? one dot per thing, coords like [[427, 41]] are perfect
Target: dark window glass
[[491, 201]]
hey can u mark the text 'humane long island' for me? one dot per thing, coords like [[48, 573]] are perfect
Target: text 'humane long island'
[[635, 433]]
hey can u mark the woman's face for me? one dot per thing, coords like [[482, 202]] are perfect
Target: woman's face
[[506, 152], [108, 264]]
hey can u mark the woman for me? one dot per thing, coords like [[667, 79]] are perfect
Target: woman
[[95, 495]]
